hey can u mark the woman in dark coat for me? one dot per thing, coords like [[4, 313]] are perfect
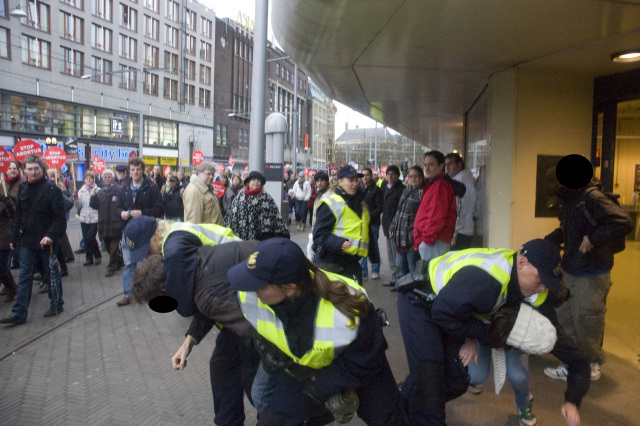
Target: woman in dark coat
[[12, 180]]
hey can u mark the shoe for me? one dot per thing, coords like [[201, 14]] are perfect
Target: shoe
[[389, 284], [475, 389], [80, 251], [64, 273], [527, 418], [87, 263], [109, 273], [97, 261], [394, 289], [52, 312], [595, 371], [70, 259], [365, 278], [12, 319], [124, 301], [44, 289], [37, 277], [375, 276], [559, 373]]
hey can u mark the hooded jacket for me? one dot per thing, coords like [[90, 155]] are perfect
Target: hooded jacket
[[110, 224], [147, 198]]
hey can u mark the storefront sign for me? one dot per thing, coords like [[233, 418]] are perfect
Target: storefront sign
[[55, 157], [25, 148], [168, 161], [149, 160], [117, 125]]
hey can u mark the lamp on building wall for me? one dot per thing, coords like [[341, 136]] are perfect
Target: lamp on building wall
[[18, 13], [626, 57]]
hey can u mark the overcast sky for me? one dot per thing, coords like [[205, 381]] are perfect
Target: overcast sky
[[230, 9]]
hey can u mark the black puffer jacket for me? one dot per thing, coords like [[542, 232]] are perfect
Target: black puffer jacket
[[39, 213], [373, 199], [391, 200], [148, 198], [110, 224], [611, 222]]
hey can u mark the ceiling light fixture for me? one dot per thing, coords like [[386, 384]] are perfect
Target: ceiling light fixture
[[626, 56]]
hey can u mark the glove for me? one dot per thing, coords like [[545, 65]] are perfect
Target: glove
[[273, 359]]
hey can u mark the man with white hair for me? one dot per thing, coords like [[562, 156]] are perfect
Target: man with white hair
[[200, 203]]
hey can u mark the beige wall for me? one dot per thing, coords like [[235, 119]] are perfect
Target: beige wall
[[531, 113]]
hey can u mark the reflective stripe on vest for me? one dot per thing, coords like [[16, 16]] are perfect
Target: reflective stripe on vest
[[349, 226], [331, 335], [210, 234]]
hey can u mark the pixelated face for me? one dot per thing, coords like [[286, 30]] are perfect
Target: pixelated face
[[254, 184], [206, 176], [33, 171], [322, 184], [392, 177], [107, 178], [367, 177], [431, 167], [451, 167], [272, 294], [13, 171], [136, 173], [415, 178], [350, 185], [529, 278], [88, 180]]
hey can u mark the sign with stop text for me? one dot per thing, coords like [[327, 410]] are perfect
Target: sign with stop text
[[25, 148], [5, 160], [197, 158], [230, 161], [99, 165], [55, 157], [383, 170], [218, 189]]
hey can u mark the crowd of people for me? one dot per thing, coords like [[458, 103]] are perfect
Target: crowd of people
[[299, 335]]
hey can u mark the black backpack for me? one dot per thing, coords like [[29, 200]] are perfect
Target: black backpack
[[617, 244]]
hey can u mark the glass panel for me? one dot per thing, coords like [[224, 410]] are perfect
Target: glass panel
[[598, 166], [627, 151]]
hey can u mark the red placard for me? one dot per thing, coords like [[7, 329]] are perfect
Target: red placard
[[167, 171], [246, 167], [55, 157], [220, 168], [25, 148], [132, 154], [383, 170], [99, 165], [197, 158], [306, 171], [218, 189], [230, 161], [5, 160]]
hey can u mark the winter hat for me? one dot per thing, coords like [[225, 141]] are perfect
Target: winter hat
[[532, 332]]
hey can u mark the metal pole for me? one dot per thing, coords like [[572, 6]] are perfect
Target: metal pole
[[294, 151], [141, 135], [375, 162], [256, 144]]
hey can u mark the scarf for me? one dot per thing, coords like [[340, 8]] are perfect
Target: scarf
[[10, 181], [89, 187], [253, 192]]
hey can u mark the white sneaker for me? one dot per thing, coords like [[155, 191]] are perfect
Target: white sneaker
[[595, 371], [475, 389], [559, 373], [375, 276]]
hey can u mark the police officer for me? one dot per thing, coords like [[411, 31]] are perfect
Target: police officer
[[323, 322], [466, 285], [341, 232]]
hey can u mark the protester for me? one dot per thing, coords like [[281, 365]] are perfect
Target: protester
[[301, 195], [392, 191], [254, 215], [172, 199], [235, 186], [312, 200], [373, 198], [8, 201], [88, 220], [464, 230], [200, 203]]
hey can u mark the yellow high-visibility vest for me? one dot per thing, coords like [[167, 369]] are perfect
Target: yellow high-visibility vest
[[349, 226], [210, 234]]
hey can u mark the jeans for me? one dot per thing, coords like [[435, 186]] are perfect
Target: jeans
[[582, 315], [406, 262], [517, 372], [391, 255], [262, 389], [89, 231], [429, 252], [374, 252], [129, 267], [301, 210], [28, 259]]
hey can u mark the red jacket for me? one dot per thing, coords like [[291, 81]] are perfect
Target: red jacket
[[437, 214]]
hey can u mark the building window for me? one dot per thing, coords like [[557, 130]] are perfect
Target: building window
[[224, 135], [190, 44], [151, 55], [189, 69], [170, 90], [277, 69], [78, 4], [152, 5], [150, 85], [101, 38], [71, 27], [205, 74], [73, 62], [102, 69], [3, 8], [205, 51], [128, 17], [171, 61], [206, 27], [205, 98], [128, 77], [173, 10], [38, 15], [151, 26], [218, 134], [128, 47], [36, 52], [189, 94], [102, 9], [191, 20], [171, 36], [5, 42]]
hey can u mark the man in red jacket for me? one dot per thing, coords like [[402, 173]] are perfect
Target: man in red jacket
[[436, 218]]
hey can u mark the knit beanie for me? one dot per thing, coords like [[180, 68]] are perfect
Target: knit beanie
[[532, 332]]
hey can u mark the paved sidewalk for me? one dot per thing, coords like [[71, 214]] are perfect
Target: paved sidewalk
[[97, 363]]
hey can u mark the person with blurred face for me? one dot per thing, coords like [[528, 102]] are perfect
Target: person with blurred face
[[200, 203], [88, 220], [8, 202], [373, 199], [341, 232], [392, 191]]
